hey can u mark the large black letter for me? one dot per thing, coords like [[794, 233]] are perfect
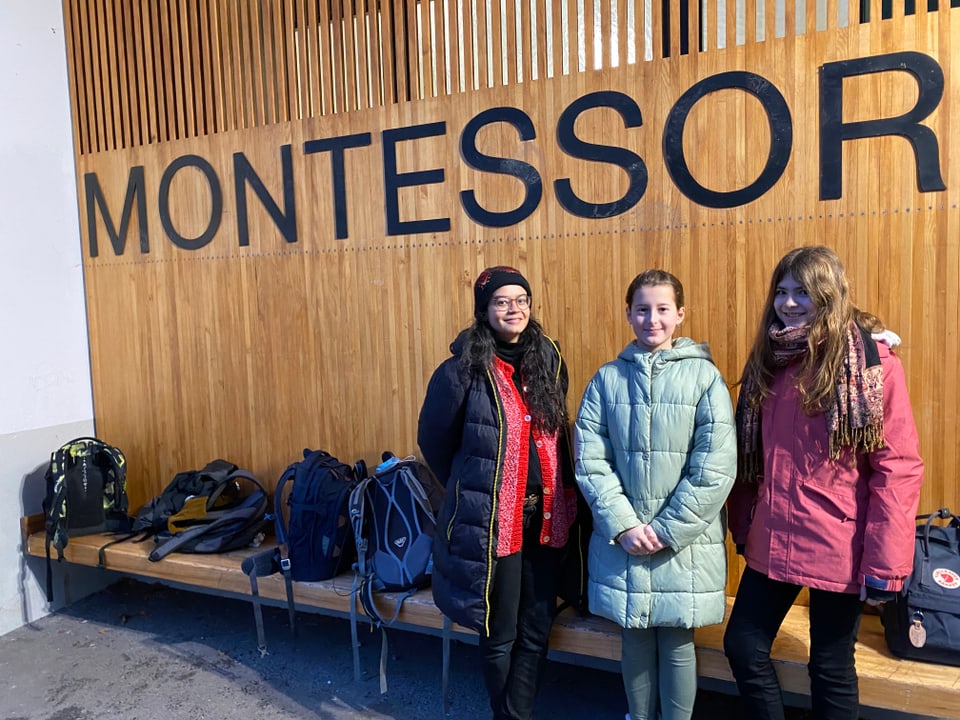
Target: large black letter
[[781, 138], [118, 238], [631, 163], [524, 172], [393, 181], [243, 173], [216, 202], [336, 146], [833, 131]]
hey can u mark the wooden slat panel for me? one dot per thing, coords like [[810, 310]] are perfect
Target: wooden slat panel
[[589, 38], [359, 26], [414, 72], [170, 329], [496, 44], [288, 94], [426, 49], [318, 39], [559, 49], [340, 45], [78, 90], [695, 23], [657, 42], [271, 54], [121, 82], [480, 53]]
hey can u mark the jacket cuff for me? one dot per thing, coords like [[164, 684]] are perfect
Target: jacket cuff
[[880, 584]]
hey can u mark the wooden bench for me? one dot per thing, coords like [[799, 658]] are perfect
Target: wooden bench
[[885, 681]]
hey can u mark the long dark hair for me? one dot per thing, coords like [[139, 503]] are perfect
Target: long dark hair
[[544, 376]]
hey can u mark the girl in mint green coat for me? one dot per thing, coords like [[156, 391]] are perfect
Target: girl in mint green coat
[[655, 454]]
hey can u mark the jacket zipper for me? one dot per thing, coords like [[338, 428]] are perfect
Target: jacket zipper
[[493, 506]]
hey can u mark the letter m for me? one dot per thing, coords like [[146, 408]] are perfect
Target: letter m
[[95, 199]]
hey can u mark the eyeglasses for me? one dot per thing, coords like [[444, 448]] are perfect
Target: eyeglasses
[[502, 304]]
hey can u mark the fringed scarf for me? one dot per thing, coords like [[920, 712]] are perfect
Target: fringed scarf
[[854, 418]]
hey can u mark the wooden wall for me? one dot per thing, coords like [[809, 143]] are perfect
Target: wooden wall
[[252, 352]]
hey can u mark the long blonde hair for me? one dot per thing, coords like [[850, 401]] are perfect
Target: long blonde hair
[[820, 272]]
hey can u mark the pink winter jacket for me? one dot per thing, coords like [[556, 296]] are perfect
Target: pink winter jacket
[[830, 524]]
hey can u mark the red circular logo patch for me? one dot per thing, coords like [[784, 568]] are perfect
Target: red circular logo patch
[[945, 577]]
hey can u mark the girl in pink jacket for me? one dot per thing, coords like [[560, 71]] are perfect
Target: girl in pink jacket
[[827, 486]]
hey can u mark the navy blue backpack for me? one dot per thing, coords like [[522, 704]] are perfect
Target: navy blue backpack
[[314, 534]]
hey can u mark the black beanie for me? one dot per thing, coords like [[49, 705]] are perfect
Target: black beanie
[[490, 280]]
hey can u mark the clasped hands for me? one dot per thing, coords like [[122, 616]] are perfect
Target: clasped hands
[[640, 540]]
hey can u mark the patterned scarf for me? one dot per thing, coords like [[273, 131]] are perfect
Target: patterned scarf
[[854, 418]]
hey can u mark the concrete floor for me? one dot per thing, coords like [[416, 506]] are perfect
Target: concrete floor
[[142, 651]]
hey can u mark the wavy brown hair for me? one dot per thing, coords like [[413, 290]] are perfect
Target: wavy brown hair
[[820, 272]]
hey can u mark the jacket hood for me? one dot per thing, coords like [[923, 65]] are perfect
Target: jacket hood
[[683, 348], [456, 347]]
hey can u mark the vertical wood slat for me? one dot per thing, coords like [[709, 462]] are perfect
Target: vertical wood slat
[[321, 87], [656, 25], [254, 37], [290, 92], [358, 26], [217, 80], [377, 52], [537, 30], [751, 26], [388, 33], [442, 47], [230, 59], [273, 55], [605, 50], [246, 62], [589, 35], [108, 77], [559, 37], [468, 50], [449, 77], [495, 43], [205, 107], [173, 69], [155, 61], [342, 100], [520, 26], [398, 51], [730, 30], [481, 33], [190, 50], [121, 92], [770, 20], [693, 26], [408, 72], [312, 62], [673, 47], [832, 15], [74, 40], [95, 63], [512, 49], [810, 19], [425, 52]]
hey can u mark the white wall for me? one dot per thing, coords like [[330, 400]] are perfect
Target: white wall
[[45, 396]]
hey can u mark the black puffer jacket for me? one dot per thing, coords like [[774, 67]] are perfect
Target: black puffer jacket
[[460, 437]]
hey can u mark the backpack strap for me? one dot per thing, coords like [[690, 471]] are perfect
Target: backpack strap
[[262, 564], [357, 507], [240, 513], [280, 525]]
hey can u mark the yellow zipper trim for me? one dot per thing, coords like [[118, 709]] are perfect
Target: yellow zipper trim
[[493, 507]]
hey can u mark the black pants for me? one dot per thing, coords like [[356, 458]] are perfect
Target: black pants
[[523, 602], [758, 612]]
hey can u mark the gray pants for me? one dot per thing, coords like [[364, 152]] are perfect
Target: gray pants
[[659, 667]]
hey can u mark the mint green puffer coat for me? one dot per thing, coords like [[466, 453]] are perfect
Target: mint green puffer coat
[[655, 443]]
